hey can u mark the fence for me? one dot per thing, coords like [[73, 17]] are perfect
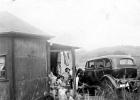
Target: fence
[[124, 96], [87, 97]]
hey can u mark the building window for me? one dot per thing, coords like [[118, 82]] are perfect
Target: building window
[[2, 67]]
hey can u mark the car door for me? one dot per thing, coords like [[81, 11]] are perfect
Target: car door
[[90, 76], [99, 68], [107, 66]]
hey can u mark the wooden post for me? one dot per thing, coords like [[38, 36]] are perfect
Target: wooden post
[[74, 72], [48, 65], [13, 69]]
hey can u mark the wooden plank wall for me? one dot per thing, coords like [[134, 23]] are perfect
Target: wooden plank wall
[[7, 86], [30, 68]]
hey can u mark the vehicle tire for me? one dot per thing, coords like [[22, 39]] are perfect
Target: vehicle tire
[[128, 95], [98, 91], [82, 91], [108, 90], [137, 94]]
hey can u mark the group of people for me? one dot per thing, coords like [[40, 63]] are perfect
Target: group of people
[[61, 86]]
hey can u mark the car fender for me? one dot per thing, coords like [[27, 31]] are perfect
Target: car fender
[[111, 79]]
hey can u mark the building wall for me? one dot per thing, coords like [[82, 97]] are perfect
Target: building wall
[[30, 68], [6, 86]]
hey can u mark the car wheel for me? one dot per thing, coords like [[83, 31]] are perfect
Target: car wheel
[[98, 91], [108, 90]]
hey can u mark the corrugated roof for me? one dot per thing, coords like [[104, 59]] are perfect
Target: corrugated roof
[[11, 23]]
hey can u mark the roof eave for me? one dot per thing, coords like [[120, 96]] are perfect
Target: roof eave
[[25, 35]]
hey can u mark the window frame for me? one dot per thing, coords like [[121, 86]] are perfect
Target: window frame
[[3, 77], [127, 64], [111, 65]]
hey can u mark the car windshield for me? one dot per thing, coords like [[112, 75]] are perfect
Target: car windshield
[[126, 61]]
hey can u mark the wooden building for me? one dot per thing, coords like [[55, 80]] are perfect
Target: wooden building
[[26, 59]]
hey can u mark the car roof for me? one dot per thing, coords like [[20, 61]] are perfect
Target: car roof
[[111, 57]]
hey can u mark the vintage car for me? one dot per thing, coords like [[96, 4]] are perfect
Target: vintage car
[[108, 75]]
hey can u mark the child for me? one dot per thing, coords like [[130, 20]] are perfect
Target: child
[[60, 81], [60, 87], [68, 95], [46, 97], [52, 79]]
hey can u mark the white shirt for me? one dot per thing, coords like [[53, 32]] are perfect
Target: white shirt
[[77, 80]]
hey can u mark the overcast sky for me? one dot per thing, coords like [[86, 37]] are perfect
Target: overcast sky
[[90, 24]]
